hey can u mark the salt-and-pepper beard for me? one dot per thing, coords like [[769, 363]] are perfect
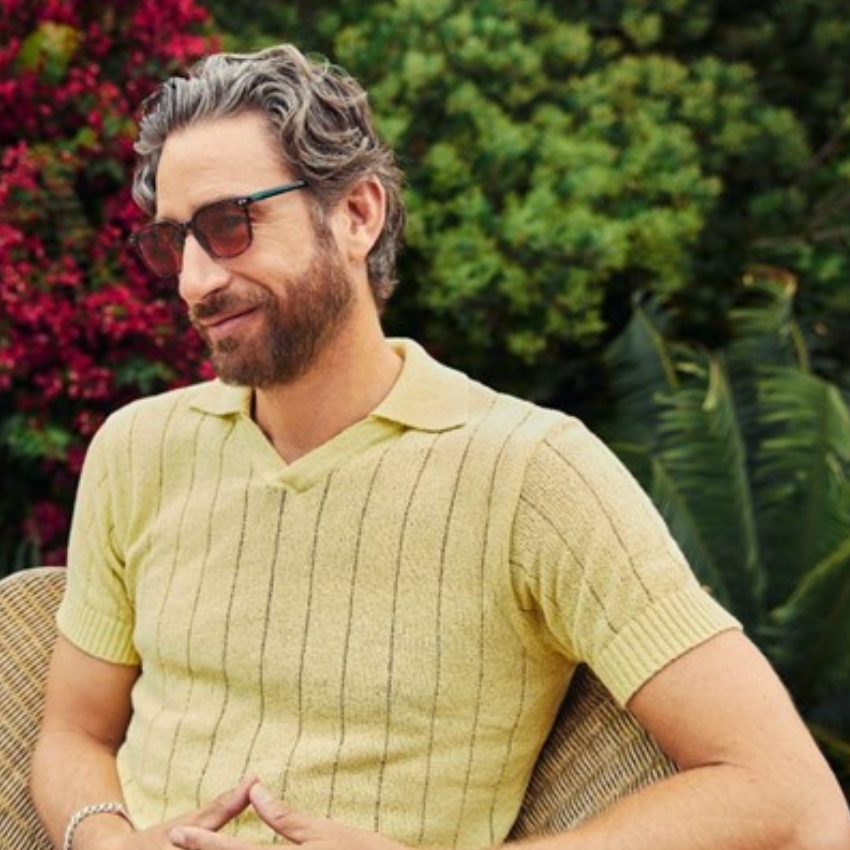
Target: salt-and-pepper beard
[[300, 322]]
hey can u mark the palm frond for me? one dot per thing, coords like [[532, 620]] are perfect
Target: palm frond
[[640, 364], [810, 634], [704, 452], [747, 455], [764, 328], [832, 717], [801, 474], [688, 529], [837, 752]]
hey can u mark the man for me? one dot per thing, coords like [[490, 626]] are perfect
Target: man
[[349, 583]]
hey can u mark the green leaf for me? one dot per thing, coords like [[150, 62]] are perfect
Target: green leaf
[[801, 474], [641, 367], [689, 529], [49, 50], [27, 440], [811, 631], [704, 449]]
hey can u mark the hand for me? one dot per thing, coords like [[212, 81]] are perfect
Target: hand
[[210, 818], [298, 828]]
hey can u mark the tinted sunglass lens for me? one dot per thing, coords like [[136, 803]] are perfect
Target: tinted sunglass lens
[[224, 228], [161, 247]]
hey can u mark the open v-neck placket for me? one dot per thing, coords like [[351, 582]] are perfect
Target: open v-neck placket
[[317, 464], [427, 396]]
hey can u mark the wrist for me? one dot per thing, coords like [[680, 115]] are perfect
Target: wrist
[[103, 825]]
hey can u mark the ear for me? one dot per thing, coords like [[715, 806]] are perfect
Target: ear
[[361, 218]]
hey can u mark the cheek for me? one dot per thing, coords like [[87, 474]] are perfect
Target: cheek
[[291, 250]]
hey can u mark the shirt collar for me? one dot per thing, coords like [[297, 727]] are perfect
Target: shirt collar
[[427, 395], [220, 399]]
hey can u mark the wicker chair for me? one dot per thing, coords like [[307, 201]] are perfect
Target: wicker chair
[[595, 755]]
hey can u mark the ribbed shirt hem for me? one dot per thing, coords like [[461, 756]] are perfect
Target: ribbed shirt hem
[[103, 637], [675, 624]]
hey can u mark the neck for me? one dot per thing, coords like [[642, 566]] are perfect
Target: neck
[[348, 381]]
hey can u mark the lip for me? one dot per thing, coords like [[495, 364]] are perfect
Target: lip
[[223, 324]]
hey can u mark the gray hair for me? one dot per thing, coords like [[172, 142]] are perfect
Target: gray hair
[[319, 116]]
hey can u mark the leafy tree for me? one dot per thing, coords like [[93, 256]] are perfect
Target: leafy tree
[[797, 51], [562, 157], [747, 454], [82, 327], [552, 173]]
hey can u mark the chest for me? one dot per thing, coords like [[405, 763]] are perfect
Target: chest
[[389, 575]]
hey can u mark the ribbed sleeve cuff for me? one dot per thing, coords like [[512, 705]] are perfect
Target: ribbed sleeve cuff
[[89, 630], [676, 623]]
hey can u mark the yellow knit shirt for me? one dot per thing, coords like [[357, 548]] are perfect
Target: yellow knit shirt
[[382, 630]]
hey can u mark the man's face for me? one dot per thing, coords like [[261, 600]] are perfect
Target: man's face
[[295, 320], [269, 313]]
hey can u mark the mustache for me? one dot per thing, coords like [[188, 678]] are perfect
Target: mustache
[[222, 303]]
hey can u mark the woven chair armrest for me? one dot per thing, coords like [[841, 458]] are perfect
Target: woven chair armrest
[[28, 603], [595, 755]]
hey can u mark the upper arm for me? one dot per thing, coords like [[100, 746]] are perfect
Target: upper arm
[[722, 703], [86, 694]]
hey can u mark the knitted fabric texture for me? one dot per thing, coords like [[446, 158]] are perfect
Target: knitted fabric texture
[[384, 629]]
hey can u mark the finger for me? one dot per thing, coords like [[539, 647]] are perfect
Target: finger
[[225, 807], [277, 814], [195, 838]]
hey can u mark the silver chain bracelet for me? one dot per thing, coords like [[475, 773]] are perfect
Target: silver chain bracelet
[[88, 811]]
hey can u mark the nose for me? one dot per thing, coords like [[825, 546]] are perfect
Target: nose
[[200, 274]]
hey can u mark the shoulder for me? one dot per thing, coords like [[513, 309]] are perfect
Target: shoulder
[[571, 465], [528, 425], [431, 396], [149, 420], [551, 439]]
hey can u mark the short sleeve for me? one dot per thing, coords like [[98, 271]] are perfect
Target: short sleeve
[[96, 612], [592, 555]]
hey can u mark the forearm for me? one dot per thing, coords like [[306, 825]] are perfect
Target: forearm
[[702, 809], [71, 770]]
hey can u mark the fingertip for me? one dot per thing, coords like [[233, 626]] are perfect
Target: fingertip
[[270, 809], [243, 789], [260, 794], [178, 837]]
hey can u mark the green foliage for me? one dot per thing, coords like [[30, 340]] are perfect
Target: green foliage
[[747, 454], [563, 157], [540, 179]]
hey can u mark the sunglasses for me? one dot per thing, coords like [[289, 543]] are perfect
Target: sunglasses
[[223, 229]]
